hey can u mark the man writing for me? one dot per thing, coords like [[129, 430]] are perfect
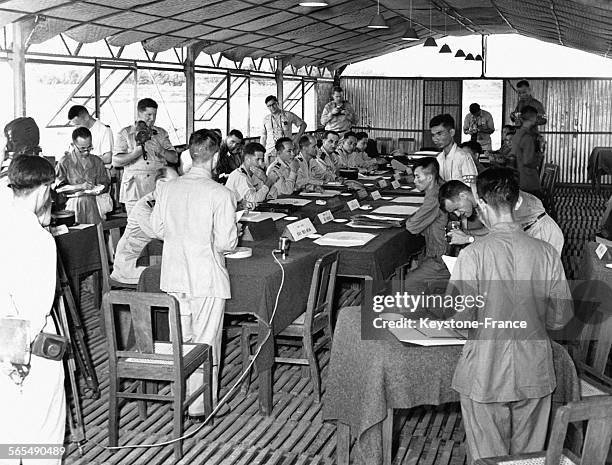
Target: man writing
[[249, 182], [32, 401], [479, 125], [338, 115], [279, 123], [505, 377], [141, 149], [101, 134], [195, 216], [457, 198], [430, 221], [454, 162], [285, 168]]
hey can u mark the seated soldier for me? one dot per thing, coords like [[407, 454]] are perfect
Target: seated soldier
[[285, 167], [249, 182], [475, 150], [83, 177], [348, 157], [138, 233], [430, 221], [324, 166], [308, 151], [457, 198]]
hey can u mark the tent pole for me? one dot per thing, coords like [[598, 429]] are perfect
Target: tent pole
[[18, 65], [279, 80], [190, 90]]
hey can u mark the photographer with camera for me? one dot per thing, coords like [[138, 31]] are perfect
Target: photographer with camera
[[32, 399], [141, 149], [338, 115]]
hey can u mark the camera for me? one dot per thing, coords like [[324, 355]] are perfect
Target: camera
[[50, 346], [144, 132]]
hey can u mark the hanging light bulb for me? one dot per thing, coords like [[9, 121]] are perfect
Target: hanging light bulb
[[469, 57], [378, 21], [410, 33], [445, 49], [459, 54], [478, 57], [430, 41]]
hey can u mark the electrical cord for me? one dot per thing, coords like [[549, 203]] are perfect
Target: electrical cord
[[232, 389]]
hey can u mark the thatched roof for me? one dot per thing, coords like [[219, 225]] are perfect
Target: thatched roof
[[331, 36]]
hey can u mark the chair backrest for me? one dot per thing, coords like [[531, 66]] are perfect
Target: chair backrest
[[112, 232], [321, 296], [598, 413], [384, 145], [141, 306], [405, 144], [549, 177], [595, 337]]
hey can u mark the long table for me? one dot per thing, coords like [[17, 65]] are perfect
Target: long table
[[255, 280], [368, 379]]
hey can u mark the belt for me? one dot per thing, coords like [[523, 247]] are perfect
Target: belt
[[530, 225]]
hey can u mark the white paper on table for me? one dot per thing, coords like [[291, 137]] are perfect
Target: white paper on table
[[426, 338], [402, 210], [290, 201], [324, 194], [81, 226], [353, 225], [239, 214], [426, 153], [366, 177], [345, 239], [256, 217], [449, 262], [407, 199]]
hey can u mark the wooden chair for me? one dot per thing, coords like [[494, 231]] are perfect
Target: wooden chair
[[317, 318], [598, 413], [113, 229], [548, 180], [385, 145], [405, 144], [153, 361]]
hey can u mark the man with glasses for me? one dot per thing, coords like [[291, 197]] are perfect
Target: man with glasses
[[454, 162], [279, 123], [101, 134], [82, 177], [249, 182], [141, 149]]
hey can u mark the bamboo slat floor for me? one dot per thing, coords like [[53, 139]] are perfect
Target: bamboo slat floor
[[294, 433]]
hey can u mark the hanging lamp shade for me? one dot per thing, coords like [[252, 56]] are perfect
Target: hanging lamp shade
[[459, 54], [430, 42], [478, 57], [469, 57], [378, 22], [445, 49], [410, 34]]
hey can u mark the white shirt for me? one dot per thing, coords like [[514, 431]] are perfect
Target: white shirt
[[286, 178], [279, 125], [101, 139], [196, 218], [247, 187], [456, 165]]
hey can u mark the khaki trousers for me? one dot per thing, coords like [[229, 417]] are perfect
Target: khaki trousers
[[505, 428]]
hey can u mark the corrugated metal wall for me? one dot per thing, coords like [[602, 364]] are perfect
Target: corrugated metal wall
[[387, 103], [324, 90], [579, 118], [579, 114]]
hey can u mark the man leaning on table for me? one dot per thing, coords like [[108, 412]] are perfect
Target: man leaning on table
[[454, 162], [505, 377], [250, 183], [457, 198], [430, 221], [141, 152], [195, 216]]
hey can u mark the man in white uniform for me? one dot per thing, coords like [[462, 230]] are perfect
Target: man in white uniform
[[279, 123], [249, 182], [196, 218], [101, 134], [140, 161], [35, 411], [454, 162], [285, 168], [137, 234]]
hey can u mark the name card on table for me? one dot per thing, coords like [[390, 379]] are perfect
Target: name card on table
[[375, 195], [353, 204], [397, 176], [362, 194], [299, 230], [382, 183], [601, 251], [395, 184], [325, 217]]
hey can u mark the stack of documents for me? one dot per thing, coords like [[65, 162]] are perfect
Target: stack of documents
[[378, 221], [345, 239], [422, 335], [415, 199], [402, 210], [290, 201]]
